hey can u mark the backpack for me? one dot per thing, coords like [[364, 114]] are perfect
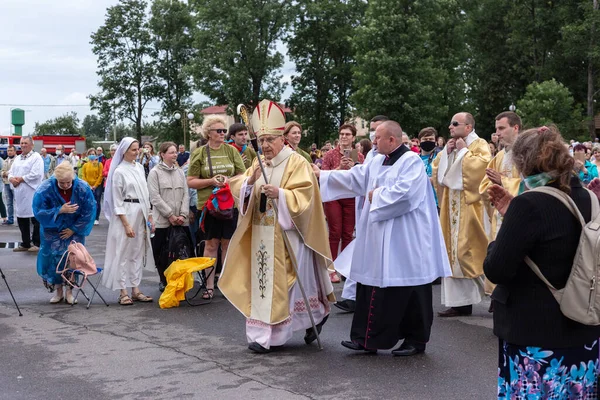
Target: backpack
[[579, 300], [177, 247], [79, 261]]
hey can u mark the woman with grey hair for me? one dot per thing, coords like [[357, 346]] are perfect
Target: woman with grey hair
[[210, 167], [65, 208], [542, 353]]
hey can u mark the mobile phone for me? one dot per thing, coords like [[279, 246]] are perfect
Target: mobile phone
[[579, 156], [347, 152]]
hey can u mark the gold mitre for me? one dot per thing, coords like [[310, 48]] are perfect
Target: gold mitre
[[268, 119]]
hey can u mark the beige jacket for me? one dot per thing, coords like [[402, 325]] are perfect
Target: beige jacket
[[6, 167], [168, 194]]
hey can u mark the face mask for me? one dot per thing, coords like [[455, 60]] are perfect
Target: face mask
[[427, 146], [92, 158], [538, 180], [58, 152], [372, 135]]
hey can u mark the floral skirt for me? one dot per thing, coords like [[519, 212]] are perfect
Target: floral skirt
[[535, 373]]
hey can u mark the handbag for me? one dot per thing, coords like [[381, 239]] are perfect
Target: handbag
[[216, 211]]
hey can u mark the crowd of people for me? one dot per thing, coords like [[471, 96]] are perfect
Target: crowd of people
[[290, 223]]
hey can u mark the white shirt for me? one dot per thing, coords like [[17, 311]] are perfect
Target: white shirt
[[31, 169], [399, 239]]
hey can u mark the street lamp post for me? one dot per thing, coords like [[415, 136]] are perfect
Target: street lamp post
[[512, 107], [185, 117]]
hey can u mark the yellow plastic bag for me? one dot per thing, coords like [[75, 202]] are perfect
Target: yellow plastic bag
[[180, 279]]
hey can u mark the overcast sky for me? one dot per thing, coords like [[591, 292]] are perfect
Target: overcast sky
[[46, 58]]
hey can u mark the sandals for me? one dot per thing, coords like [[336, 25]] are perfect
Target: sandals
[[208, 294], [125, 300], [141, 297]]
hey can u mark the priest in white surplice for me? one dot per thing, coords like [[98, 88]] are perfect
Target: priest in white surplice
[[258, 276], [394, 291], [25, 176], [457, 172]]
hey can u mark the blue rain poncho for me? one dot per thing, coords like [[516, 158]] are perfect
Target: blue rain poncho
[[46, 204]]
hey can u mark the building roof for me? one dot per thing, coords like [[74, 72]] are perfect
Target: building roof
[[223, 109]]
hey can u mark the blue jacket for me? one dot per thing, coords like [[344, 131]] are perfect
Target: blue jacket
[[46, 204], [592, 170]]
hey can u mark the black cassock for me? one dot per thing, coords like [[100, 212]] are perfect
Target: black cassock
[[384, 316]]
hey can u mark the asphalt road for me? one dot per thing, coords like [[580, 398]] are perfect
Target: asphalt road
[[143, 352]]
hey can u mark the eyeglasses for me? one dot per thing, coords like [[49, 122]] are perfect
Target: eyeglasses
[[456, 123], [269, 139], [219, 130]]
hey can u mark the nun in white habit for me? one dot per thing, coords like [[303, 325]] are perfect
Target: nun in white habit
[[127, 208]]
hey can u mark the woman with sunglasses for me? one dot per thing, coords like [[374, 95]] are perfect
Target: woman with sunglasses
[[224, 161]]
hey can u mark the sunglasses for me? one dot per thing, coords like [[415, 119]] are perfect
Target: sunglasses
[[456, 123], [219, 130]]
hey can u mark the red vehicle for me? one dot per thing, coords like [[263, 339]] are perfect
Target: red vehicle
[[6, 141], [71, 143]]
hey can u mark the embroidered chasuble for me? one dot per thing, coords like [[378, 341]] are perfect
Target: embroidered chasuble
[[258, 277], [510, 181], [457, 177]]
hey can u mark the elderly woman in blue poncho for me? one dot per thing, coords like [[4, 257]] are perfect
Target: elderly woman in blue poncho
[[65, 207]]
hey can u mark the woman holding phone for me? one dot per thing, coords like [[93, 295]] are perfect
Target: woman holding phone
[[340, 213], [584, 168]]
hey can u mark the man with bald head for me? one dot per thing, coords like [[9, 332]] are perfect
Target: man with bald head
[[457, 173], [393, 299]]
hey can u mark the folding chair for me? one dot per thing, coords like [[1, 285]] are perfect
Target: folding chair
[[202, 275], [80, 278], [76, 278]]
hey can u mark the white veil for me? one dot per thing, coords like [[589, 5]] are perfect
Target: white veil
[[109, 204]]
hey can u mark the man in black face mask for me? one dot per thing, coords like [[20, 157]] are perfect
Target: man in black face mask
[[427, 142]]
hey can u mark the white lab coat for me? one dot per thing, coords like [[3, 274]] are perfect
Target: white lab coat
[[31, 169]]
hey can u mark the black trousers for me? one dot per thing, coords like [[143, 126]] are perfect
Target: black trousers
[[25, 228], [384, 316], [160, 243]]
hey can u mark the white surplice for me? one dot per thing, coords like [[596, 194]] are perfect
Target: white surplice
[[31, 169], [126, 257], [399, 239]]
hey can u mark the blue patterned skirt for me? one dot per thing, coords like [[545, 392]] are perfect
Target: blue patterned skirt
[[534, 373]]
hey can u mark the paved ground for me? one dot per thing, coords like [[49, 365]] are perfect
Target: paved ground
[[143, 352]]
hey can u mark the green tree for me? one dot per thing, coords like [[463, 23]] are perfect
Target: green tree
[[321, 48], [237, 59], [171, 24], [67, 124], [579, 45], [397, 73], [126, 63], [491, 72], [95, 127], [550, 102]]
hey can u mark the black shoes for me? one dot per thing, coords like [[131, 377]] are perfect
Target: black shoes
[[310, 335], [463, 311], [161, 287], [257, 348], [346, 305], [356, 346], [408, 349]]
